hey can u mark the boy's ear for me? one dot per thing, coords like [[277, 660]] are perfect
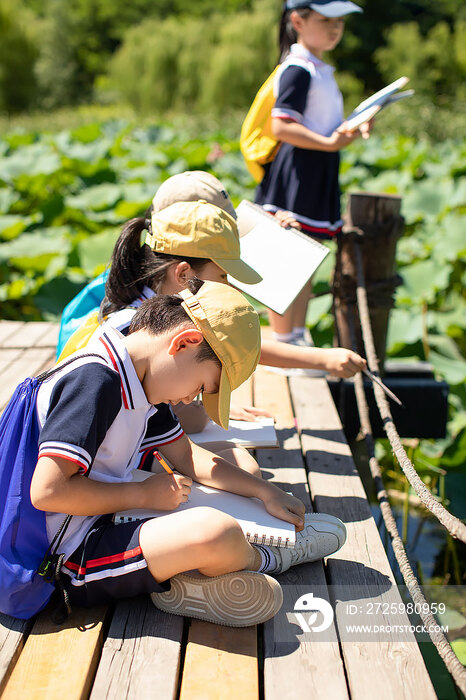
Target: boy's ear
[[187, 338]]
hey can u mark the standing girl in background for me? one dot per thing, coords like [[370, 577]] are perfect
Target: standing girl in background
[[302, 180]]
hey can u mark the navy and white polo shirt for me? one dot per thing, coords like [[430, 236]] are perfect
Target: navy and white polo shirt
[[306, 92], [95, 412]]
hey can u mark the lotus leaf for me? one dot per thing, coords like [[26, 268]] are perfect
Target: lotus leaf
[[404, 328], [36, 159], [96, 198], [95, 251], [7, 198], [428, 199], [11, 226], [421, 282]]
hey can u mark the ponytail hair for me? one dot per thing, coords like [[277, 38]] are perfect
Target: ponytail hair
[[134, 266], [287, 33]]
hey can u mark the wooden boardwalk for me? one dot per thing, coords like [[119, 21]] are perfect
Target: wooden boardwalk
[[136, 651]]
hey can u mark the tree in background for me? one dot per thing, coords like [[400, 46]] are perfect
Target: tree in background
[[18, 54], [437, 61], [212, 55]]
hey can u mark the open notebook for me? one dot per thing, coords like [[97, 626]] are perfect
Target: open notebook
[[260, 433], [257, 524], [379, 100], [285, 258]]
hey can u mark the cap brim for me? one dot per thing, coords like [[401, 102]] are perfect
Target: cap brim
[[217, 405], [240, 270], [335, 9]]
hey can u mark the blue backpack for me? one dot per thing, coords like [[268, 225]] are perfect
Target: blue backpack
[[29, 566], [79, 308]]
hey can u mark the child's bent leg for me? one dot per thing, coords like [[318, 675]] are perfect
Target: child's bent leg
[[238, 456], [201, 538]]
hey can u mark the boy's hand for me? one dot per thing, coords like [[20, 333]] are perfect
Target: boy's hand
[[344, 363], [165, 491], [285, 507]]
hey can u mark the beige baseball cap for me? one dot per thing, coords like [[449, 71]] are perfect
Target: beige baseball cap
[[191, 186], [200, 230], [231, 326]]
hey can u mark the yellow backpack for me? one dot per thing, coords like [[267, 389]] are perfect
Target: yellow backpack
[[257, 142], [81, 336]]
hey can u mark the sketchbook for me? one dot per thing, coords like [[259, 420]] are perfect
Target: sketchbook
[[257, 524], [379, 100], [284, 257], [260, 433]]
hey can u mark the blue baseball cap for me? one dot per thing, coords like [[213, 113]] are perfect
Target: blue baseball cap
[[327, 8]]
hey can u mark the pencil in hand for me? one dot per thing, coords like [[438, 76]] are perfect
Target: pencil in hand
[[163, 462]]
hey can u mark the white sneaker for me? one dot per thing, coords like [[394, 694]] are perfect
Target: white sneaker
[[304, 341], [239, 599], [322, 535]]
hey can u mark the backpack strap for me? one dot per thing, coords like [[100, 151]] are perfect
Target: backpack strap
[[50, 567], [50, 372]]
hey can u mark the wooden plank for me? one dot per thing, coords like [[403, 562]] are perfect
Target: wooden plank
[[49, 338], [141, 655], [242, 396], [7, 356], [300, 668], [27, 363], [58, 660], [28, 335], [7, 330], [13, 634], [220, 663], [396, 667]]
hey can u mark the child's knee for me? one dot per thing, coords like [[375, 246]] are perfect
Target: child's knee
[[217, 530]]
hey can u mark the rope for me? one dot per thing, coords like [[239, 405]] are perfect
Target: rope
[[453, 524], [454, 666]]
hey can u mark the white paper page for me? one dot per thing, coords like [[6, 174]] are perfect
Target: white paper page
[[286, 259], [260, 433], [257, 524], [380, 97]]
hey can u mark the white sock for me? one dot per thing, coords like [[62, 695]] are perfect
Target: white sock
[[298, 332], [284, 337], [268, 559]]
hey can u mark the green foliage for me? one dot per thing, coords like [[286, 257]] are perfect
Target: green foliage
[[436, 62], [181, 63], [18, 54], [64, 197]]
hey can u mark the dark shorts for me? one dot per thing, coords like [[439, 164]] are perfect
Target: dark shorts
[[109, 565]]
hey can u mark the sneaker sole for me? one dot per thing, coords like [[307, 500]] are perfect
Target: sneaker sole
[[327, 525], [238, 599]]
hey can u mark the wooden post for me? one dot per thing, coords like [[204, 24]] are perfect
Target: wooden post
[[374, 222]]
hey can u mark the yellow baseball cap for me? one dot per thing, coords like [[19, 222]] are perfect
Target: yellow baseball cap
[[231, 326], [200, 230], [191, 186]]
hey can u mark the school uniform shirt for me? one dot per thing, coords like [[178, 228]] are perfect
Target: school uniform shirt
[[95, 413], [303, 181], [121, 321]]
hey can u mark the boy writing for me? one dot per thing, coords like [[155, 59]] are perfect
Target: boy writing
[[99, 414]]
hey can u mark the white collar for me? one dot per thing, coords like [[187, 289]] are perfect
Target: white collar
[[110, 344], [301, 52]]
